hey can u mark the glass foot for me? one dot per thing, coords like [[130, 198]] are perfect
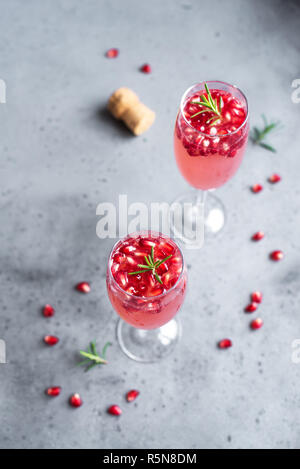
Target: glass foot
[[200, 211], [148, 346]]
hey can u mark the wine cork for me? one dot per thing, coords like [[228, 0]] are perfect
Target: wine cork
[[125, 105]]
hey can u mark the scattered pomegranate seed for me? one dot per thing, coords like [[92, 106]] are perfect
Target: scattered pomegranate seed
[[274, 178], [146, 68], [83, 287], [257, 324], [225, 343], [75, 400], [276, 255], [257, 188], [256, 297], [251, 308], [114, 410], [112, 53], [132, 395], [258, 236], [48, 311], [51, 340], [53, 392]]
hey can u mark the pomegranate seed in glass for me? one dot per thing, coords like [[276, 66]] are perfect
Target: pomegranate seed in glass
[[146, 284], [209, 143]]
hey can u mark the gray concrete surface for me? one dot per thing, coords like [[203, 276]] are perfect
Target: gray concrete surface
[[61, 155]]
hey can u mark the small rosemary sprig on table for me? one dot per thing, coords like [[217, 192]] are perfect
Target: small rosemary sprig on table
[[258, 135], [210, 106], [92, 357], [151, 265]]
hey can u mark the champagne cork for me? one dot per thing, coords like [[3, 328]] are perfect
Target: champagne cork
[[125, 105]]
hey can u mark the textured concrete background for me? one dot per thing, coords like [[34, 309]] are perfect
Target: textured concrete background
[[61, 155]]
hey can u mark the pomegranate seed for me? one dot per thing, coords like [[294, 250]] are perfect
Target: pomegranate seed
[[251, 308], [132, 395], [114, 410], [257, 324], [258, 236], [48, 311], [256, 297], [83, 287], [146, 68], [112, 53], [276, 255], [75, 400], [225, 343], [53, 392], [274, 178], [51, 340], [257, 188]]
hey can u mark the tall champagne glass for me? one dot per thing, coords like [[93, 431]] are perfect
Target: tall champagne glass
[[210, 138], [146, 284]]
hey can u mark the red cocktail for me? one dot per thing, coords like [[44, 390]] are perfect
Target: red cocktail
[[146, 283], [209, 151], [210, 137]]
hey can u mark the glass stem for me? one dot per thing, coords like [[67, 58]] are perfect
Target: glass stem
[[201, 197]]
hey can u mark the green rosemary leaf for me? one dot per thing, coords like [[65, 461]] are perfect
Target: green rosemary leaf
[[261, 134], [85, 362], [205, 100], [258, 135], [197, 114], [206, 105], [161, 262], [152, 254], [93, 348], [88, 355], [139, 272], [158, 278], [91, 366], [108, 344], [143, 266], [93, 359], [147, 261], [267, 147], [210, 99], [211, 102], [214, 121], [213, 118], [207, 91]]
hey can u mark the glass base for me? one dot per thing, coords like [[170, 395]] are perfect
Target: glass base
[[148, 346], [198, 205]]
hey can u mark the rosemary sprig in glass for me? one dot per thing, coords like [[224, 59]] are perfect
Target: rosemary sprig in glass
[[92, 357], [258, 135], [151, 265], [210, 105]]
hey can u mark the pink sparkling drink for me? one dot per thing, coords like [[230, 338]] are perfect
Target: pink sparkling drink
[[146, 300], [208, 151]]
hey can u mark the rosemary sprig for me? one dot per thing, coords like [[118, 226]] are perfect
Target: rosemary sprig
[[151, 265], [210, 105], [92, 357], [258, 135]]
